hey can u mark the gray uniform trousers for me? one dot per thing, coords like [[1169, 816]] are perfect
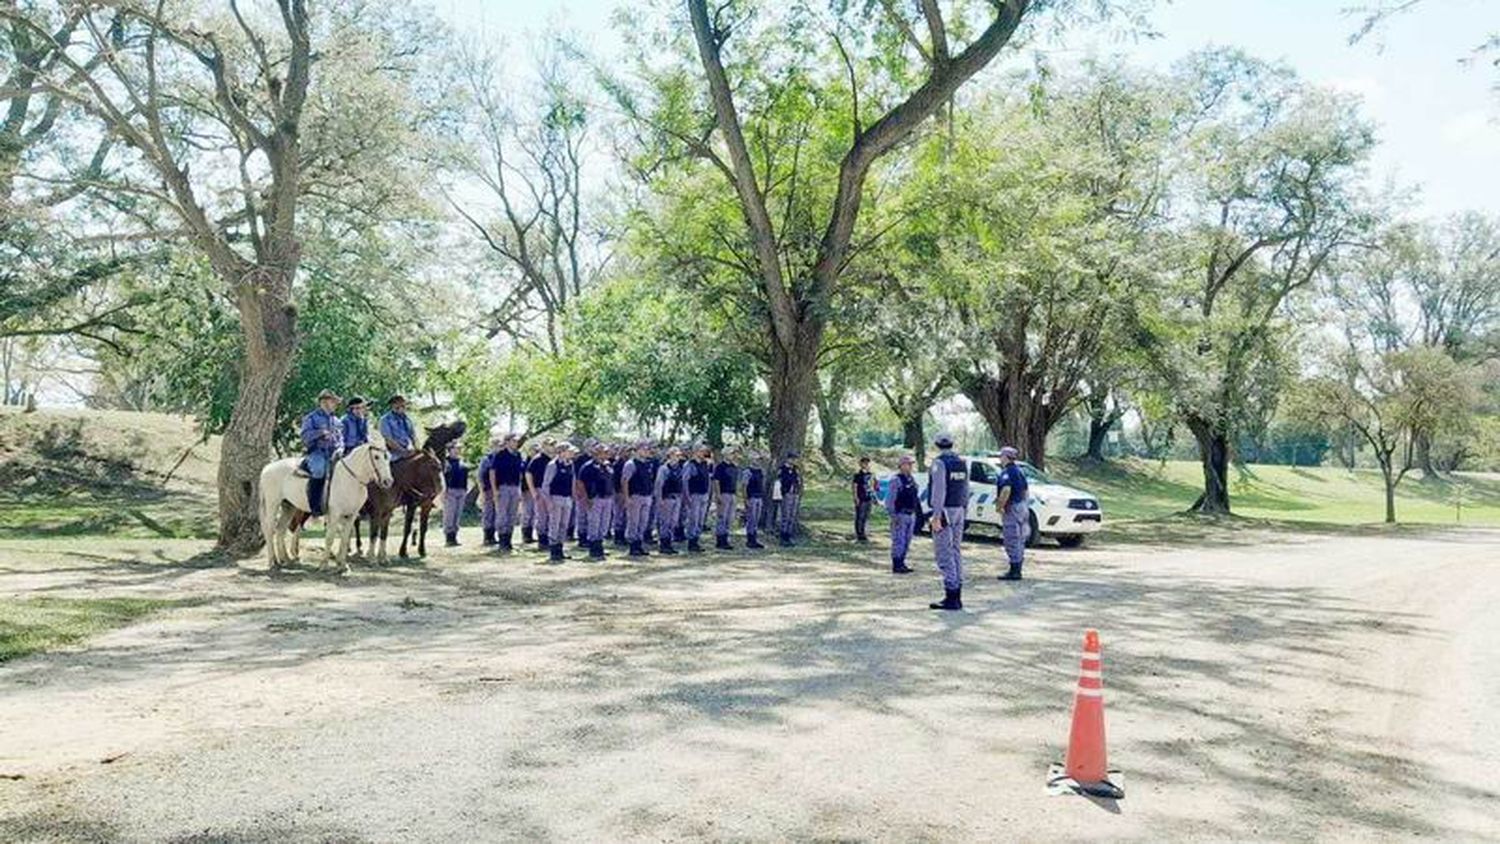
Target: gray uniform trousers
[[489, 517], [637, 515], [1013, 527], [543, 520], [559, 511], [668, 511], [902, 527], [753, 507], [600, 511], [617, 518], [727, 501], [947, 546], [453, 509], [697, 512], [506, 503], [789, 512], [528, 510]]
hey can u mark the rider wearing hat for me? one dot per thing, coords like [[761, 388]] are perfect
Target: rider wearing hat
[[356, 423], [323, 438], [400, 434]]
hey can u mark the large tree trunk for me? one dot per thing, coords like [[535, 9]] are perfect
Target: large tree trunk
[[1213, 453], [792, 382], [830, 402], [1390, 491], [914, 437], [1012, 415], [270, 324], [1423, 448], [1098, 432]]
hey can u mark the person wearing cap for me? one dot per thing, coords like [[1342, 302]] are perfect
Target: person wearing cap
[[863, 496], [323, 440], [753, 479], [948, 494], [620, 505], [356, 423], [726, 480], [557, 483], [638, 484], [1011, 496], [505, 484], [535, 502], [582, 504], [902, 501], [397, 428], [455, 493], [669, 490], [698, 476], [598, 486], [654, 459], [789, 481], [489, 517]]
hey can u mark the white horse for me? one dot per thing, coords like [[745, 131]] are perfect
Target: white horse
[[284, 508]]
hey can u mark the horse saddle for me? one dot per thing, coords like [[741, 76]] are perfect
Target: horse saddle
[[301, 471]]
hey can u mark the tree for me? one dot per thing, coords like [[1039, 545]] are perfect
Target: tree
[[782, 96], [228, 139], [1266, 193], [1391, 399]]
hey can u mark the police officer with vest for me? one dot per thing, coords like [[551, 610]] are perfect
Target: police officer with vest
[[536, 494], [455, 493], [638, 484], [323, 439], [598, 485], [1011, 494], [726, 481], [669, 491], [753, 479], [557, 483], [506, 474], [789, 481], [488, 516], [698, 475], [902, 502], [948, 494]]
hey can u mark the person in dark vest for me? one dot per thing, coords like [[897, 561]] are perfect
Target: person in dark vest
[[455, 493], [726, 482], [789, 480], [654, 456], [397, 428], [698, 474], [598, 485], [488, 516], [638, 484], [506, 475], [902, 502], [863, 496], [356, 423], [753, 479], [536, 471], [1012, 493], [582, 504], [323, 440], [558, 485], [948, 494], [669, 492], [619, 510]]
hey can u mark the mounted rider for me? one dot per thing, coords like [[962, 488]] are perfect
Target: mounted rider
[[397, 428], [323, 438], [356, 423]]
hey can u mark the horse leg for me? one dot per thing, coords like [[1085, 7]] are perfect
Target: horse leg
[[422, 536], [283, 524], [406, 528], [380, 523]]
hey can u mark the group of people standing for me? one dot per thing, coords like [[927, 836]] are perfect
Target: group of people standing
[[634, 494], [326, 435]]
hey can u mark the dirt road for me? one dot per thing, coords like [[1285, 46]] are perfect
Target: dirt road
[[1285, 686]]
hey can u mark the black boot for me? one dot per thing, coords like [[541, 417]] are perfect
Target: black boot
[[752, 542], [452, 540], [315, 495], [557, 553], [596, 550], [1013, 574], [666, 547], [489, 537], [899, 566], [526, 535], [786, 540], [952, 600], [721, 542], [694, 547], [636, 550]]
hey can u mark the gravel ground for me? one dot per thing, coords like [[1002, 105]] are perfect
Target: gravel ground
[[1273, 686]]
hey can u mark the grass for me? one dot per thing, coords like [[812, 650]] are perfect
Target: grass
[[32, 625]]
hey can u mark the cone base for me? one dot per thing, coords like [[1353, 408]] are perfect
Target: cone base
[[1112, 786]]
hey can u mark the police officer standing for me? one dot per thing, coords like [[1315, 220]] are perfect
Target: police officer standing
[[863, 496], [726, 479], [488, 516], [536, 494], [505, 476], [789, 480], [598, 485], [323, 439], [397, 428], [699, 478], [638, 485], [902, 501], [754, 479], [1011, 496], [621, 456], [948, 493], [558, 485], [455, 493], [669, 498]]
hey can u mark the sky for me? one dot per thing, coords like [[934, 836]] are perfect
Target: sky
[[1438, 120]]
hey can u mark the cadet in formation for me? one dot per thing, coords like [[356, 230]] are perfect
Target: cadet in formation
[[698, 477], [726, 482], [488, 515], [669, 498], [598, 486], [1011, 497], [789, 480], [863, 497], [755, 500], [638, 485], [902, 503], [558, 486], [948, 494], [504, 481], [455, 493], [535, 523], [323, 440]]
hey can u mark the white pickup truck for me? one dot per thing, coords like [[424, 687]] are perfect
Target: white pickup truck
[[1058, 512]]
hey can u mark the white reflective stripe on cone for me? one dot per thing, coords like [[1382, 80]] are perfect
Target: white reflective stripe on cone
[[1090, 692]]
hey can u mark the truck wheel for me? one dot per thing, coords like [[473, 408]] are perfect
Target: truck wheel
[[1031, 533], [1071, 540]]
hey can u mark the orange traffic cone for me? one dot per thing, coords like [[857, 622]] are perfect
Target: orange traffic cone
[[1086, 767]]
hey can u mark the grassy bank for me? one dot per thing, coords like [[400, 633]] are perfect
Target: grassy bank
[[31, 625]]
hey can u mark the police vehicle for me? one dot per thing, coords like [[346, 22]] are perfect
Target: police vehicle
[[1058, 512]]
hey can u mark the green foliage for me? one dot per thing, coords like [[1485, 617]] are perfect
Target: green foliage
[[31, 625]]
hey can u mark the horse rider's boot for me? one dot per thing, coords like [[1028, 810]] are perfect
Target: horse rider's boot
[[899, 566], [489, 537], [315, 495], [1013, 574], [952, 600], [557, 552]]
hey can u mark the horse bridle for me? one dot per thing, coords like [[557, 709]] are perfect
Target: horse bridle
[[343, 463]]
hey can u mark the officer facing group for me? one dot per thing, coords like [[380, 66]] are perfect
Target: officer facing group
[[948, 493]]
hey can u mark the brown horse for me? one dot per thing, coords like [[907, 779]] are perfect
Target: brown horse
[[418, 481]]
